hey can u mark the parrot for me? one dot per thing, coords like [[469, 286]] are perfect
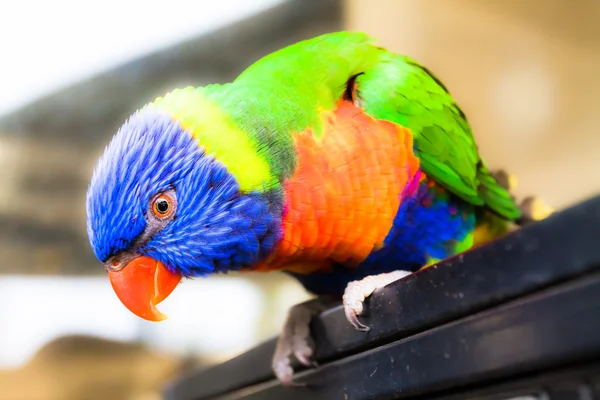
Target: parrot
[[334, 160]]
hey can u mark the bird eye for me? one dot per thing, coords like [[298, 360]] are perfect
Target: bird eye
[[162, 207]]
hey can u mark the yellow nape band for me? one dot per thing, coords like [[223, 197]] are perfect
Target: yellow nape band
[[219, 135]]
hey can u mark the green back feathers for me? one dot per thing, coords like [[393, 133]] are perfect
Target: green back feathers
[[248, 124], [400, 90], [296, 83], [285, 92]]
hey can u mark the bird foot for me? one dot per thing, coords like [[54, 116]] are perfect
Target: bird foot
[[357, 291], [295, 339]]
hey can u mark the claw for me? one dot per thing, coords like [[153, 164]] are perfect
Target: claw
[[303, 354], [284, 373], [357, 291], [353, 319], [295, 340]]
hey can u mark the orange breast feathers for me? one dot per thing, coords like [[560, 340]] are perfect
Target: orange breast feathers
[[344, 194]]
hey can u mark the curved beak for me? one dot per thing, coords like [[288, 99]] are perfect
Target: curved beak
[[142, 284]]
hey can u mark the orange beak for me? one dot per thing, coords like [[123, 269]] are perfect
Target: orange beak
[[142, 284]]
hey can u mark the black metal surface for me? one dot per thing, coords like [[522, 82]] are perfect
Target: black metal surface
[[575, 382], [544, 330], [559, 248]]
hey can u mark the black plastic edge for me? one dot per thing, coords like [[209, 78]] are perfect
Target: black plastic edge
[[576, 380], [547, 329], [550, 251]]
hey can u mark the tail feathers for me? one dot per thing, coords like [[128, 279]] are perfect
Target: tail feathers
[[496, 196], [491, 226]]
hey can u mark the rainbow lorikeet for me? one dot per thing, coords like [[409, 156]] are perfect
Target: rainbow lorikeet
[[334, 160]]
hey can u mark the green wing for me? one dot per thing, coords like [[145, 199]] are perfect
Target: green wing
[[287, 90], [400, 90]]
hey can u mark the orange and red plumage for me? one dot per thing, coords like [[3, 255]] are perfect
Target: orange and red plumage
[[345, 192]]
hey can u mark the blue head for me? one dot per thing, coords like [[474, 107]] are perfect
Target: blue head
[[156, 195]]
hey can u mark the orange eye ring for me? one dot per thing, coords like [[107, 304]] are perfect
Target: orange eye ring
[[162, 206]]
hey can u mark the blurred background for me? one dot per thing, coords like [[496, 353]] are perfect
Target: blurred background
[[524, 71]]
